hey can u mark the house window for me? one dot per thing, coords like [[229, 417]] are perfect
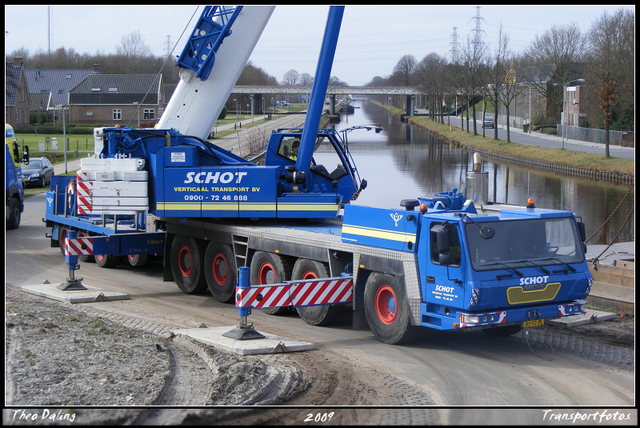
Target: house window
[[117, 114], [95, 89], [113, 89], [89, 113], [149, 114]]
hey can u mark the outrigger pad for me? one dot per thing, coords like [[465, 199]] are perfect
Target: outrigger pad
[[243, 333], [75, 284]]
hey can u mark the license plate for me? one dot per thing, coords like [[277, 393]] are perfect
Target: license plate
[[533, 323]]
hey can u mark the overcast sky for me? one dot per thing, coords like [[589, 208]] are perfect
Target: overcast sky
[[372, 38]]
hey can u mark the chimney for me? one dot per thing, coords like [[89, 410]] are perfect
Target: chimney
[[17, 62], [96, 70]]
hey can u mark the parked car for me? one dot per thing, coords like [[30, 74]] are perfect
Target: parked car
[[488, 122], [38, 172]]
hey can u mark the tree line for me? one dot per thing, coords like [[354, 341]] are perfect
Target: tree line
[[601, 60]]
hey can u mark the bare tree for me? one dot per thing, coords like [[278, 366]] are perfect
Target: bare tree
[[132, 45], [306, 79], [509, 88], [497, 74], [429, 75], [402, 72], [290, 78], [555, 58], [474, 60], [611, 65]]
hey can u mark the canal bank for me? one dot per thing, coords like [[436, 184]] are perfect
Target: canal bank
[[558, 161]]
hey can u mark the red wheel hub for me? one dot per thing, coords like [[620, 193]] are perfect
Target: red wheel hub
[[267, 274], [386, 304], [220, 269], [185, 261]]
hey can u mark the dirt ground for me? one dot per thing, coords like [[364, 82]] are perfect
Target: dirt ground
[[61, 359]]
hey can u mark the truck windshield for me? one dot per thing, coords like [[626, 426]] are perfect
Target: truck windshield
[[525, 243]]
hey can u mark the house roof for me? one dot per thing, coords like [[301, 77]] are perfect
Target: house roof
[[40, 101], [117, 89], [12, 81], [58, 82]]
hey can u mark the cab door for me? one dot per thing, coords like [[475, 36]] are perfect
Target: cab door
[[444, 276]]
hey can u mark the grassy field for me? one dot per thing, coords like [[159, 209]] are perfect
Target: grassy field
[[568, 157]]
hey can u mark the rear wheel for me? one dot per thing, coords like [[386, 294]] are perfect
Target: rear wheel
[[107, 260], [187, 264], [387, 309], [315, 315], [13, 222], [269, 268], [137, 260], [220, 271]]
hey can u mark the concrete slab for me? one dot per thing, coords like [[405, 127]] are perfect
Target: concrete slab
[[91, 294], [589, 318], [271, 344]]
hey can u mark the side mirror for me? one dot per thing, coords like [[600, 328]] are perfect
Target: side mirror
[[444, 259], [25, 155], [582, 230], [442, 240]]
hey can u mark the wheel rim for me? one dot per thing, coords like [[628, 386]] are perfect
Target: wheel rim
[[267, 274], [220, 269], [309, 275], [100, 257], [185, 261], [386, 304], [132, 257]]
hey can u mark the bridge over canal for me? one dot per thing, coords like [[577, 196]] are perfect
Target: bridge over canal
[[257, 93]]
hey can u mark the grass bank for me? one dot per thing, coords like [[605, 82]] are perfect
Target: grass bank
[[503, 149]]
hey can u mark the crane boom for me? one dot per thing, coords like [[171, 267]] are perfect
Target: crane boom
[[214, 57]]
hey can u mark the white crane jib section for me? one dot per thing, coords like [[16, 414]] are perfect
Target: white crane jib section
[[211, 63]]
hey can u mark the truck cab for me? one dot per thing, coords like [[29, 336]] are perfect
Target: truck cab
[[332, 170]]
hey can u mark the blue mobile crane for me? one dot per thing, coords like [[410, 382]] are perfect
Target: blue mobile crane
[[440, 262]]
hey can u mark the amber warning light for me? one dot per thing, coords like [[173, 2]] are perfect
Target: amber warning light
[[530, 203]]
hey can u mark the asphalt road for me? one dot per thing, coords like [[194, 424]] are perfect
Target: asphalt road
[[550, 141], [448, 368]]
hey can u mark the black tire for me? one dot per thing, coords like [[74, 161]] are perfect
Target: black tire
[[187, 264], [269, 268], [13, 222], [220, 271], [42, 182], [502, 331], [315, 315], [387, 310], [137, 260], [107, 260]]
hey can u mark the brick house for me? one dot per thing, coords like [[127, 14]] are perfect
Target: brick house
[[56, 83], [117, 99], [16, 105]]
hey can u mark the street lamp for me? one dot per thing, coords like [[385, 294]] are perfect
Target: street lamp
[[564, 105]]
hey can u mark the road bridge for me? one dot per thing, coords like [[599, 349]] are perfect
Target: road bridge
[[257, 93]]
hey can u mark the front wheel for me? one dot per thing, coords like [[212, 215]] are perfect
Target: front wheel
[[220, 271], [269, 268], [315, 315], [187, 265], [387, 310], [107, 260]]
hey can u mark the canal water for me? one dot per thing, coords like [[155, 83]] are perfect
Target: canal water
[[404, 162]]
